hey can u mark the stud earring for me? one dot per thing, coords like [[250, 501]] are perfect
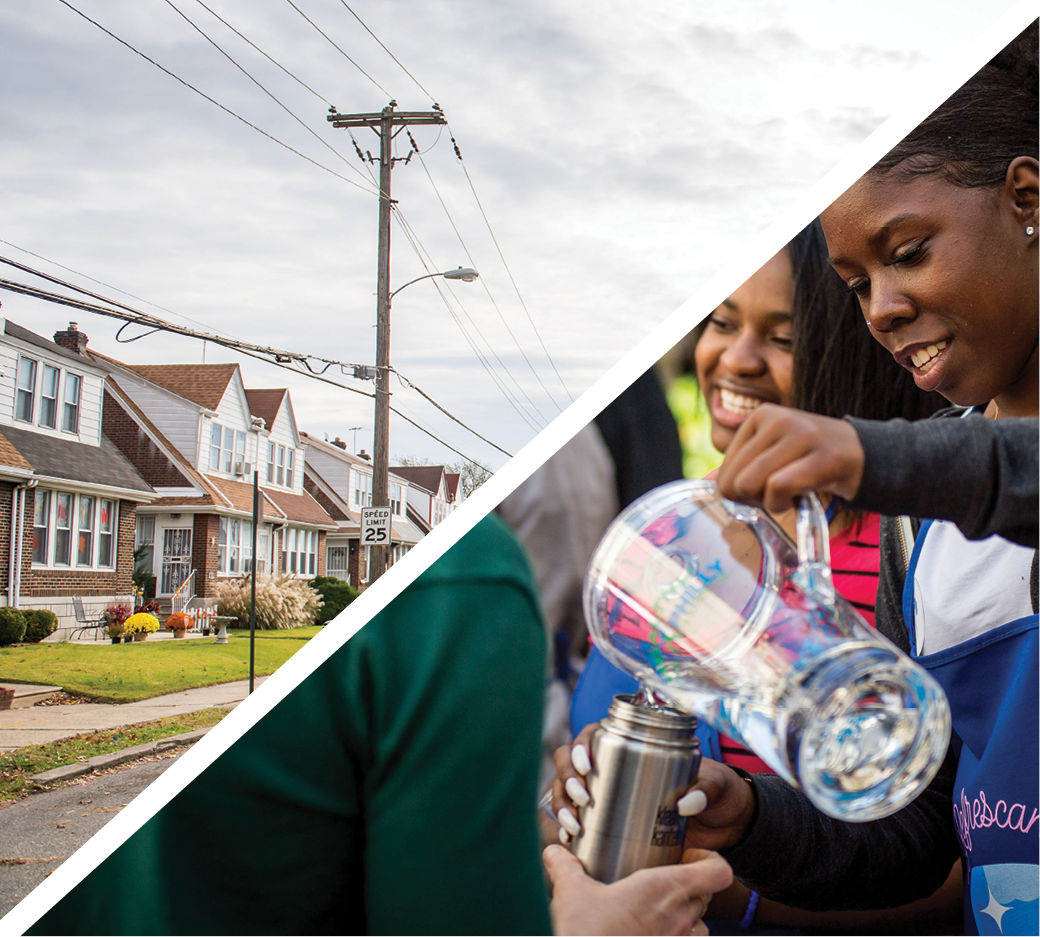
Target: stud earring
[[1029, 231]]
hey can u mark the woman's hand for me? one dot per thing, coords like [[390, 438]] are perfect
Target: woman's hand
[[568, 790], [668, 899], [779, 453], [719, 805]]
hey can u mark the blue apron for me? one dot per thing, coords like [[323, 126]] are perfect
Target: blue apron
[[991, 683]]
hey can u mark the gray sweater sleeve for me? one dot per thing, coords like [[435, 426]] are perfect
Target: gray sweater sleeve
[[981, 474], [799, 857]]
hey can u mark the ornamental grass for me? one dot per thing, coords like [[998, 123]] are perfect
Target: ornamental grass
[[281, 601]]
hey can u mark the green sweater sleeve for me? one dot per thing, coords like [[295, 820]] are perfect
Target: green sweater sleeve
[[392, 791]]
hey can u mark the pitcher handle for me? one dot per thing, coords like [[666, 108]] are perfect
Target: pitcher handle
[[814, 547]]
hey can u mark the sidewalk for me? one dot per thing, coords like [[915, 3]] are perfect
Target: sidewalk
[[36, 724]]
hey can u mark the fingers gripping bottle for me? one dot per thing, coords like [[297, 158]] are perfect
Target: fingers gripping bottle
[[644, 758]]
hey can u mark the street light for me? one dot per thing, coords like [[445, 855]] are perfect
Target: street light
[[466, 274], [381, 429]]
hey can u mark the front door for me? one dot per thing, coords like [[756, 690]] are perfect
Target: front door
[[176, 559]]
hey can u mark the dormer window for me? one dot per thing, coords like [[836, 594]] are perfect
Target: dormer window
[[49, 397], [290, 458], [226, 448], [70, 412], [25, 398]]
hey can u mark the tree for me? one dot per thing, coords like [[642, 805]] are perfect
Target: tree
[[471, 475]]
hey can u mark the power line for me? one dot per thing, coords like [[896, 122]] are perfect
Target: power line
[[133, 316], [251, 351], [305, 126], [226, 110], [487, 289], [298, 80], [416, 245], [388, 52], [338, 49], [483, 214]]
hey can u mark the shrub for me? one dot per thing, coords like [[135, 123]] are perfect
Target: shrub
[[142, 621], [336, 595], [12, 625], [151, 607], [281, 601], [39, 622], [178, 621]]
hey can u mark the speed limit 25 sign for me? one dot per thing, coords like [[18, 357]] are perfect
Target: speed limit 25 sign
[[375, 526]]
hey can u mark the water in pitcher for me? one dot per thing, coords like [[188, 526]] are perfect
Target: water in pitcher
[[709, 604]]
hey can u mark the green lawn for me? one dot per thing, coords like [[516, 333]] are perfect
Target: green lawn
[[124, 673], [17, 766]]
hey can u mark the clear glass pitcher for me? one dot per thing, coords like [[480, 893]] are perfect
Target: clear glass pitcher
[[709, 604]]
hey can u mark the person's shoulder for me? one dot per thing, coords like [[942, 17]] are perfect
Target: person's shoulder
[[488, 552]]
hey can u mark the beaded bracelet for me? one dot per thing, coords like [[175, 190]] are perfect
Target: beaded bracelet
[[752, 907]]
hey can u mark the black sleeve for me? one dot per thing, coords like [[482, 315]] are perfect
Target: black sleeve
[[981, 474], [798, 856]]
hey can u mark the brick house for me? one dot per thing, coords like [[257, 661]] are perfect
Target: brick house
[[68, 496], [196, 435], [342, 483]]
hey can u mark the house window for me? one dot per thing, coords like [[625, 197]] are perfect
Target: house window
[[270, 463], [227, 451], [63, 529], [395, 499], [25, 397], [281, 465], [54, 530], [362, 490], [290, 458], [49, 397], [70, 412], [106, 526], [85, 529], [215, 436], [41, 526], [240, 448], [235, 546]]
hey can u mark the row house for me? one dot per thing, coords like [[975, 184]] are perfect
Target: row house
[[342, 483], [68, 496], [433, 493], [196, 435]]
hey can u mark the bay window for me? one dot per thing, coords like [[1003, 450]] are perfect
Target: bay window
[[62, 519]]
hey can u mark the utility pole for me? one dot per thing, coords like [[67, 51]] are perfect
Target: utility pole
[[384, 124]]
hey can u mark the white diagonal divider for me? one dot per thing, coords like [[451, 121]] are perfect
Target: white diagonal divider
[[928, 95]]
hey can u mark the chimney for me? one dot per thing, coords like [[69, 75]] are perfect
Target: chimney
[[73, 339], [339, 442], [364, 455]]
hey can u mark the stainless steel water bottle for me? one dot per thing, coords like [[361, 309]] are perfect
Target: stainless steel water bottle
[[644, 758]]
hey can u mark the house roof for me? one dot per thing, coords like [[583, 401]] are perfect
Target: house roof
[[418, 520], [10, 456], [265, 402], [76, 461], [451, 483], [425, 476], [17, 331], [204, 384], [302, 508]]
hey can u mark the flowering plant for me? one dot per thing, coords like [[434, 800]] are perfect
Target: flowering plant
[[117, 614], [178, 621], [151, 607], [141, 622]]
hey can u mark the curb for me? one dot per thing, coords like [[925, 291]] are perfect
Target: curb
[[100, 762]]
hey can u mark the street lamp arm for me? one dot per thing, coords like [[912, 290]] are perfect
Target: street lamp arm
[[466, 274]]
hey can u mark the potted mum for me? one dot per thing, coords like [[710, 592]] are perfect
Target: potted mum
[[177, 623], [141, 625], [115, 616]]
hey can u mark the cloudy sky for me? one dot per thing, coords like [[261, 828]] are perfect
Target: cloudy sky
[[620, 156]]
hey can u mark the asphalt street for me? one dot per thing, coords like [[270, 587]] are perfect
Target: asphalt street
[[39, 832]]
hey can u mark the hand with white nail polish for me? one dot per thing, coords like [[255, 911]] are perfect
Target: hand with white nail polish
[[719, 807], [569, 792]]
